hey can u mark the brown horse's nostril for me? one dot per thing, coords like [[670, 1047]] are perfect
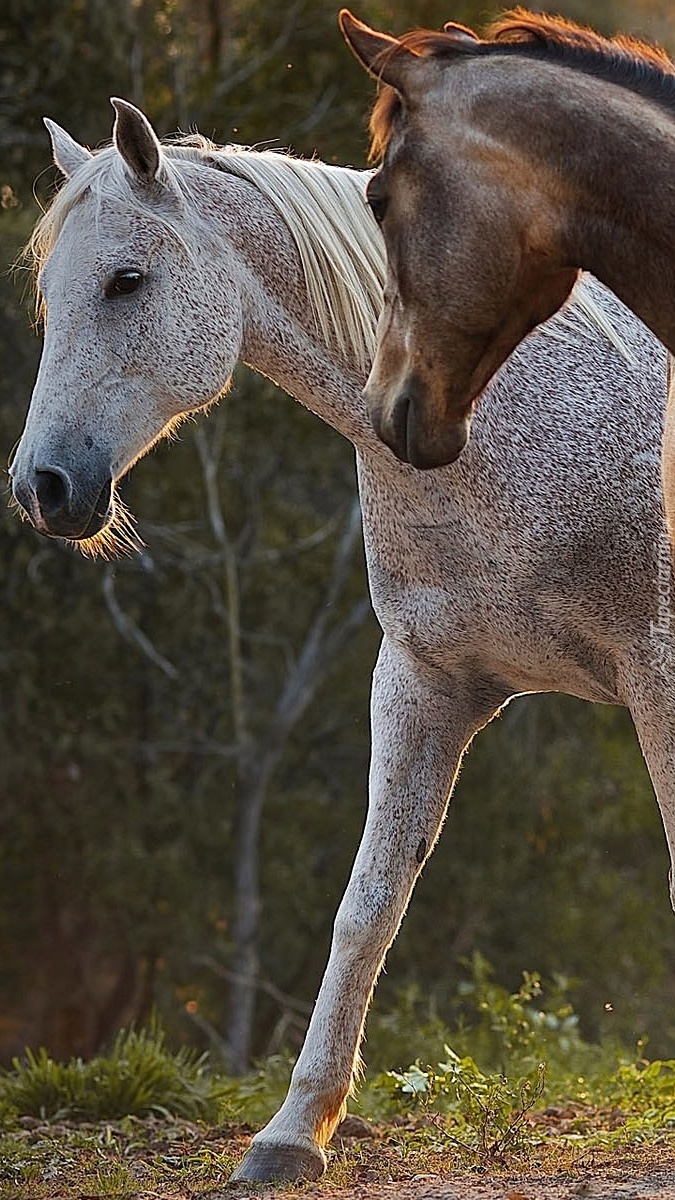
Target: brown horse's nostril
[[390, 426], [402, 415], [53, 490]]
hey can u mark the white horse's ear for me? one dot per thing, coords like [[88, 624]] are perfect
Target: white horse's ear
[[68, 154], [383, 56], [136, 141]]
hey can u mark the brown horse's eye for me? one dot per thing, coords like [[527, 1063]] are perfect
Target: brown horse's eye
[[123, 283], [375, 198], [377, 205]]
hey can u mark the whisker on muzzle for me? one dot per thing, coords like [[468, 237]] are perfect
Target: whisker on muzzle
[[118, 539]]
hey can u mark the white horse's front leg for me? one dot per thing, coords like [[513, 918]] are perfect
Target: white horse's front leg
[[651, 699], [419, 734]]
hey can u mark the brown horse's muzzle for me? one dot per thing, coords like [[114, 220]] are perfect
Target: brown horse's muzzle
[[409, 425]]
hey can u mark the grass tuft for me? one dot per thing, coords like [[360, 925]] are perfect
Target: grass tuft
[[138, 1077]]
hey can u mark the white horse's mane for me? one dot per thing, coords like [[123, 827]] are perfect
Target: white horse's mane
[[340, 247]]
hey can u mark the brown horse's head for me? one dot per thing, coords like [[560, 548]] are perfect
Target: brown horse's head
[[473, 240]]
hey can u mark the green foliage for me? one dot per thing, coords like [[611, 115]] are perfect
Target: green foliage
[[488, 1110], [521, 1028], [138, 1077], [644, 1092], [507, 1052], [460, 1109], [256, 1096], [508, 1032], [518, 1037], [643, 1085]]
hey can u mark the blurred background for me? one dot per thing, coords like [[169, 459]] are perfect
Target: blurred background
[[182, 783]]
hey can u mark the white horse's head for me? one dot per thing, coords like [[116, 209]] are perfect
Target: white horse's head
[[139, 329]]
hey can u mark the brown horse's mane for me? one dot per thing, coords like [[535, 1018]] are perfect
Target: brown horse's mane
[[623, 60]]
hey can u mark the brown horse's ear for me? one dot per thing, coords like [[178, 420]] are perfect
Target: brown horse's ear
[[460, 33], [382, 56], [136, 141]]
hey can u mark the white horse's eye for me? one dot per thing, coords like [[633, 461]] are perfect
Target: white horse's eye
[[123, 283]]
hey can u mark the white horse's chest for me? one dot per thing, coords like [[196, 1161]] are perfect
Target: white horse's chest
[[464, 599], [436, 594]]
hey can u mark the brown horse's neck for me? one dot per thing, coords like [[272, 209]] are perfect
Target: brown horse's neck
[[629, 241], [640, 270], [607, 159], [621, 225]]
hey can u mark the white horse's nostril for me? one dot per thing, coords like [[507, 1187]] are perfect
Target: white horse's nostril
[[53, 490]]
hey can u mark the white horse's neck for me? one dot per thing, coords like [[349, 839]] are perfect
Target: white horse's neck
[[280, 341], [280, 336]]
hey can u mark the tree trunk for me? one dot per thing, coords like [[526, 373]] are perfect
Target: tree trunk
[[245, 959]]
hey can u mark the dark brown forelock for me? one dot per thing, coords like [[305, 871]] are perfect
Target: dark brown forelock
[[623, 60], [384, 113]]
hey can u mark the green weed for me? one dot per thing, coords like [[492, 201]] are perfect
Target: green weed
[[483, 1114], [110, 1179]]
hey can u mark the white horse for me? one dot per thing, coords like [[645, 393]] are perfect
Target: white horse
[[537, 562]]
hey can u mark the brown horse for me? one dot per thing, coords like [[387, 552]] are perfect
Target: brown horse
[[508, 164]]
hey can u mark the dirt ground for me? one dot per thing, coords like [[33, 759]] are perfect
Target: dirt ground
[[156, 1159], [647, 1173]]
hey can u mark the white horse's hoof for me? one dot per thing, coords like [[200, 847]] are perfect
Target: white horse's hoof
[[279, 1164]]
